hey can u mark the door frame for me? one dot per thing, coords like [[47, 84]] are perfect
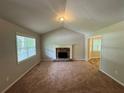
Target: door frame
[[88, 50]]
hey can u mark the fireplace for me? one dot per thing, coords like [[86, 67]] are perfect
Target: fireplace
[[63, 53]]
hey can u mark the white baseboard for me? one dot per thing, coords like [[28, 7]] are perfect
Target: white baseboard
[[51, 60], [112, 77], [19, 78], [79, 59], [47, 60]]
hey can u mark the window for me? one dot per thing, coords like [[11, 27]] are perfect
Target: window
[[96, 44], [26, 47]]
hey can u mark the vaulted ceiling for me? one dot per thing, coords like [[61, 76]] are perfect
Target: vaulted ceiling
[[80, 15]]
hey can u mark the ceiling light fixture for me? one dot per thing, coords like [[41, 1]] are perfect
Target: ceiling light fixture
[[61, 19]]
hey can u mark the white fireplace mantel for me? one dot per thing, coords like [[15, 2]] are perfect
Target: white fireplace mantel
[[64, 46]]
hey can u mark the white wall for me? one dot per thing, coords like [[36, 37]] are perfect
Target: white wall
[[63, 36], [113, 51], [9, 69]]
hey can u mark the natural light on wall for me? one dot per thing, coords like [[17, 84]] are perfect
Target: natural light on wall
[[26, 47]]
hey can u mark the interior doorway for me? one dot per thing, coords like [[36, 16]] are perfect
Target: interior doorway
[[94, 50]]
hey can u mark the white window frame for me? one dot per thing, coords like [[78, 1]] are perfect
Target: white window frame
[[28, 36]]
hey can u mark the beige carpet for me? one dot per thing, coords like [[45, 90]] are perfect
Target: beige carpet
[[66, 77]]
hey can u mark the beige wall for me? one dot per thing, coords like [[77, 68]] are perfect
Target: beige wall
[[10, 70], [62, 36], [112, 54]]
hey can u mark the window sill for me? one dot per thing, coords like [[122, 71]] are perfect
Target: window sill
[[27, 59]]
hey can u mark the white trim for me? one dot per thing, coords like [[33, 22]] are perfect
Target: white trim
[[112, 77], [78, 59], [47, 60], [25, 35], [86, 47], [51, 60], [100, 62], [19, 78], [28, 36]]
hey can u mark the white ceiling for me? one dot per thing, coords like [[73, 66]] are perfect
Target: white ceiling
[[91, 15], [80, 15]]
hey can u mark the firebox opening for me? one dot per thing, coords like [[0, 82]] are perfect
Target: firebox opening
[[63, 53]]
